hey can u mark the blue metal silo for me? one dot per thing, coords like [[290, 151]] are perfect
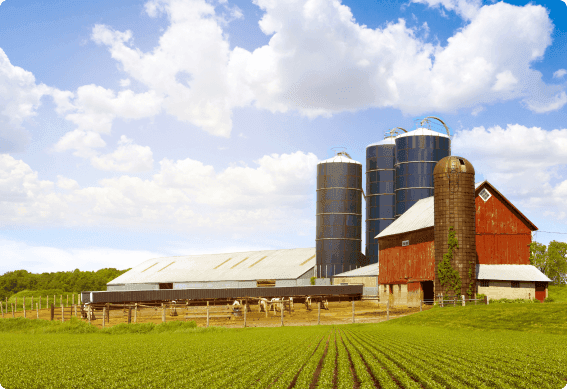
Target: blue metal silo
[[339, 215], [417, 152], [380, 193]]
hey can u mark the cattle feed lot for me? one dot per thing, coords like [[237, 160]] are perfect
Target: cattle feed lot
[[499, 345]]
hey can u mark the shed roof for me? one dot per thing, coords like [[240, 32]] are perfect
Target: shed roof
[[245, 266], [510, 273], [369, 270], [418, 216]]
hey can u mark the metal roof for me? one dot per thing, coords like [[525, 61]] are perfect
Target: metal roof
[[370, 270], [510, 273], [422, 131], [340, 158], [418, 216], [387, 141], [246, 266]]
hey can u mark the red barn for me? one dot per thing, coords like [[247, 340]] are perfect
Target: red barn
[[503, 233]]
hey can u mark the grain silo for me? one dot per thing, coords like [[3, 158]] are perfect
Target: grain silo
[[339, 215], [417, 152], [380, 194], [454, 206]]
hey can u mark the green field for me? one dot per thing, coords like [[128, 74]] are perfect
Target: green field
[[558, 293], [457, 347]]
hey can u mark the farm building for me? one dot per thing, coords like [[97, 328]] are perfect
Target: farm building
[[366, 276], [408, 264], [293, 267]]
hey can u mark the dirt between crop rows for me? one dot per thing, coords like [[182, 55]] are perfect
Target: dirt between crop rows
[[338, 313]]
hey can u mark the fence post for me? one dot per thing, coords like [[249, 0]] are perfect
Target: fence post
[[487, 300], [318, 312], [52, 312], [75, 305], [73, 299], [353, 311], [420, 305], [442, 300], [61, 299], [388, 309], [37, 310], [266, 309], [281, 310], [207, 314], [89, 313], [129, 315], [103, 316], [463, 297], [67, 300], [13, 315], [136, 313], [162, 312], [62, 313], [24, 306], [245, 304]]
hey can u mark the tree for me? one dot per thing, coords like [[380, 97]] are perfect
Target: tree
[[551, 260]]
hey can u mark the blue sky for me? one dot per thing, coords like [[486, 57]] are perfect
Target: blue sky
[[130, 130]]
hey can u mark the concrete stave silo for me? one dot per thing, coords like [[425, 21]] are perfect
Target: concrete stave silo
[[339, 215], [417, 152], [380, 194], [454, 206]]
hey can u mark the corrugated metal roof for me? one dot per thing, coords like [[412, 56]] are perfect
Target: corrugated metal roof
[[510, 273], [370, 270], [420, 215], [246, 266]]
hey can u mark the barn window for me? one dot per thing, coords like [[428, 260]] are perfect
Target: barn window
[[484, 194], [484, 283], [515, 284], [405, 243]]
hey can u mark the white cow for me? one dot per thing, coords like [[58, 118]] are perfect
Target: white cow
[[308, 303], [263, 303], [276, 303]]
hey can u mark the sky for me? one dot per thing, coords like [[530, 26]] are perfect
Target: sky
[[132, 130]]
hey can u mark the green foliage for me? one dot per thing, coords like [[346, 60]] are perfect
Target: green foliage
[[558, 293], [447, 274], [480, 296], [550, 260], [313, 280], [549, 300], [60, 282], [508, 301]]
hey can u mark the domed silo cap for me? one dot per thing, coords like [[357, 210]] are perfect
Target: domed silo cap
[[451, 163]]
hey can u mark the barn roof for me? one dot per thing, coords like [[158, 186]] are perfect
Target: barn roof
[[245, 266], [510, 273], [369, 270], [480, 185], [420, 215]]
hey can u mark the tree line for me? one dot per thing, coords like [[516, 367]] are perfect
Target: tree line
[[551, 260], [74, 281]]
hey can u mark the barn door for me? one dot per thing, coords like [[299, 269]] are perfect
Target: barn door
[[540, 290]]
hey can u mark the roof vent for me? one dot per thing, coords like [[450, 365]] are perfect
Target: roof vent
[[485, 195]]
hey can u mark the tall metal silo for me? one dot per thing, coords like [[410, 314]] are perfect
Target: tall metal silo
[[339, 215], [417, 152], [454, 206], [380, 194]]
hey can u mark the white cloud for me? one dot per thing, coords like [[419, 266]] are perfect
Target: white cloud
[[125, 82], [504, 81], [467, 9], [67, 183], [549, 104], [526, 164], [128, 157], [560, 73], [39, 259], [184, 195], [20, 97], [83, 142]]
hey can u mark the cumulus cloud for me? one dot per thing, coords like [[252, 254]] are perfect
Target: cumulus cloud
[[128, 157], [527, 164], [82, 142], [20, 97], [559, 73], [467, 9], [552, 103], [184, 195]]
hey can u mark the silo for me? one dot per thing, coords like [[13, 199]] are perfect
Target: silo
[[380, 194], [417, 152], [454, 206], [339, 215]]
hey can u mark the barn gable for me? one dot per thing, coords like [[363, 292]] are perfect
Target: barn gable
[[503, 233]]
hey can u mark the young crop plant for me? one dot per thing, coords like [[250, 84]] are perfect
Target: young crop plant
[[447, 274]]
